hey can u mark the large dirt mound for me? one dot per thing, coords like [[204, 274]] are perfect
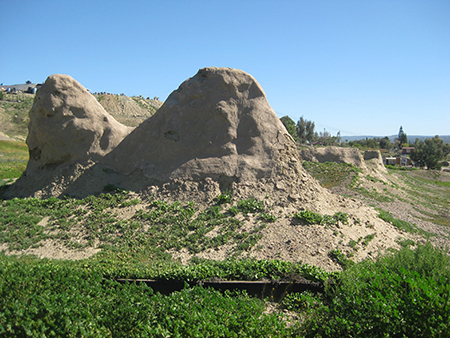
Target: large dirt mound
[[216, 124]]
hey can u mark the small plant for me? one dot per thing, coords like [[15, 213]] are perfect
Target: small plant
[[268, 217], [251, 205], [405, 243], [301, 302], [341, 217], [367, 239], [233, 210], [225, 197], [309, 217], [339, 257], [353, 244]]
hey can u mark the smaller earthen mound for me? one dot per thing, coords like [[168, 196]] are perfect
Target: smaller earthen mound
[[68, 124], [334, 154], [374, 163]]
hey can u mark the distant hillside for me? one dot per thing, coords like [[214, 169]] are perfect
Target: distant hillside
[[411, 138], [14, 108], [130, 111]]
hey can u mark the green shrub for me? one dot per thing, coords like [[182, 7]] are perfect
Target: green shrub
[[309, 217], [300, 302], [48, 299], [404, 294], [268, 217], [339, 257]]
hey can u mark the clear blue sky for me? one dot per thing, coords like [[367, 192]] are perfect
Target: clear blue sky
[[360, 67]]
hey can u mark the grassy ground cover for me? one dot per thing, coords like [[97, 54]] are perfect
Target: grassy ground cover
[[430, 192], [13, 159], [50, 299], [403, 294], [331, 174]]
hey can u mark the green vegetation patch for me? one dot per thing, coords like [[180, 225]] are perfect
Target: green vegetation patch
[[13, 159], [310, 217], [331, 174], [42, 298], [400, 224], [152, 230], [404, 294]]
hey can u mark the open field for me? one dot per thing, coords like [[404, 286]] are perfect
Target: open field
[[13, 159], [121, 234]]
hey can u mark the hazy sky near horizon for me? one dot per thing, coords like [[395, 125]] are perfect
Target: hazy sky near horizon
[[359, 67]]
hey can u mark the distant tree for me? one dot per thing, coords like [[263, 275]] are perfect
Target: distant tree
[[28, 82], [367, 143], [385, 143], [402, 137], [305, 131], [430, 152], [290, 126], [338, 137], [325, 138]]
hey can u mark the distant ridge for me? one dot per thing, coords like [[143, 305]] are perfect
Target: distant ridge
[[411, 138]]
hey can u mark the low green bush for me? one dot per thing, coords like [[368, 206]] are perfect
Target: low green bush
[[47, 299], [404, 294], [310, 217]]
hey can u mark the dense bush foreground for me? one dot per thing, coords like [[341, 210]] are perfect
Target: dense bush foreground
[[404, 294]]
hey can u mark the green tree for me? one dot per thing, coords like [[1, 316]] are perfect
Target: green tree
[[290, 126], [402, 137], [306, 131], [385, 143], [430, 152], [301, 130]]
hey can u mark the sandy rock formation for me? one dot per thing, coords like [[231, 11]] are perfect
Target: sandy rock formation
[[216, 124], [334, 154], [67, 124]]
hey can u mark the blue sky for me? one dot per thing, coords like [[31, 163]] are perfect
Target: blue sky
[[358, 66]]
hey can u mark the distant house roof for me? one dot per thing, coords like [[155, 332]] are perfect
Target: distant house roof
[[407, 150]]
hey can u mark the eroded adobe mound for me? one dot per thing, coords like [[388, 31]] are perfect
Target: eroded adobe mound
[[68, 124], [217, 124]]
